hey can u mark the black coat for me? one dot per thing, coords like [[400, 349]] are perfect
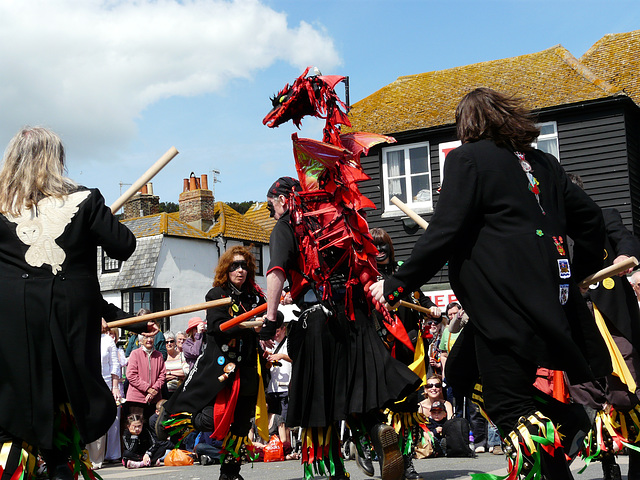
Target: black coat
[[51, 316], [503, 261], [235, 345]]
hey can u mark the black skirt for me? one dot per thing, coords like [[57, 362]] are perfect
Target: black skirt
[[341, 367]]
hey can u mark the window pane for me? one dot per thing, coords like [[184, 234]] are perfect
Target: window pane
[[549, 146], [395, 163], [548, 128], [398, 187], [421, 188], [419, 160]]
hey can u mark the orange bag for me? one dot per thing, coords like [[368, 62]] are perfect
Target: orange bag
[[178, 458], [274, 452]]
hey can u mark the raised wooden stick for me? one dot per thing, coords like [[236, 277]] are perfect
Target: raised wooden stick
[[169, 313], [610, 271], [146, 176], [410, 213], [413, 306]]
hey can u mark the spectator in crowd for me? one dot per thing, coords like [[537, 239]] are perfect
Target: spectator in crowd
[[431, 337], [158, 340], [635, 283], [276, 427], [110, 370], [280, 363], [146, 374], [195, 340], [435, 423], [433, 393], [180, 338], [140, 448], [50, 228], [176, 366]]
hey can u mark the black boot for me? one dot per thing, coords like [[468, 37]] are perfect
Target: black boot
[[364, 462], [611, 471], [230, 469], [409, 470], [634, 464], [385, 442]]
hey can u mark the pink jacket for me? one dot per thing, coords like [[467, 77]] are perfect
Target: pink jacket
[[144, 371]]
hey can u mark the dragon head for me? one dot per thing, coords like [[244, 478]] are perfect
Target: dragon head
[[308, 95]]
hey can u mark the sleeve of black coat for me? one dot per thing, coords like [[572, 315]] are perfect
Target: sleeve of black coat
[[585, 226], [115, 238], [432, 250], [623, 241]]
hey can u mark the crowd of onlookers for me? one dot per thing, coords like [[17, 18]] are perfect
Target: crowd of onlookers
[[144, 370]]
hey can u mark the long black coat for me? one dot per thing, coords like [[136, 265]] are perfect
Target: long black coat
[[50, 316], [503, 261], [236, 345]]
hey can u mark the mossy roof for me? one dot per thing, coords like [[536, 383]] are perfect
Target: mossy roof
[[162, 224], [231, 224], [616, 59], [544, 79]]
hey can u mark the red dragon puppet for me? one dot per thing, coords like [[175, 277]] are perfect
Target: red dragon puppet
[[327, 215]]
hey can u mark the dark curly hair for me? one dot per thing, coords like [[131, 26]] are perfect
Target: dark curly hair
[[222, 270], [486, 114]]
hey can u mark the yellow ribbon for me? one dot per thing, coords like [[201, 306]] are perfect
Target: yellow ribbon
[[620, 368], [418, 366], [262, 418]]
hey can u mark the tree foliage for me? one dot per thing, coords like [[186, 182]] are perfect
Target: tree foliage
[[168, 207], [241, 207]]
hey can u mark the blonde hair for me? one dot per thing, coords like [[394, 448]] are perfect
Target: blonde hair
[[33, 168]]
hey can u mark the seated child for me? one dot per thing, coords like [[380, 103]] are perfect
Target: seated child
[[139, 447], [435, 424]]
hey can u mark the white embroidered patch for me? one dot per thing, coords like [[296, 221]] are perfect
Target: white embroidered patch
[[40, 226]]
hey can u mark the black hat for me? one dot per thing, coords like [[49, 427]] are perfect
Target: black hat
[[437, 405], [284, 186]]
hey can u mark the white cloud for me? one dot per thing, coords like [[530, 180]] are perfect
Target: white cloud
[[87, 68]]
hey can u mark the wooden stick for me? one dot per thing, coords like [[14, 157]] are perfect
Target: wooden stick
[[245, 316], [170, 313], [250, 324], [610, 271], [413, 306], [146, 176], [410, 213]]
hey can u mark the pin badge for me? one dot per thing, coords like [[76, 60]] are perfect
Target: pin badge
[[563, 268]]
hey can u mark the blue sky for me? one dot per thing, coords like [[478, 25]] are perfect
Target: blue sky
[[123, 81]]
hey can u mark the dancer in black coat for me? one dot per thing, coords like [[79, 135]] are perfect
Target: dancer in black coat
[[50, 229], [502, 219]]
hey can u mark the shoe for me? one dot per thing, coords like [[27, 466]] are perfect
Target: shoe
[[409, 470], [497, 450], [61, 472], [480, 449], [161, 432], [611, 471], [385, 443], [133, 464], [205, 460], [364, 462], [224, 476]]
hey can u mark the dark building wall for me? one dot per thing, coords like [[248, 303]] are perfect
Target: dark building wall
[[597, 141]]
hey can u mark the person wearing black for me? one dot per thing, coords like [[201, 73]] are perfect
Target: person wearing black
[[221, 391], [50, 229], [615, 301], [341, 370], [502, 217]]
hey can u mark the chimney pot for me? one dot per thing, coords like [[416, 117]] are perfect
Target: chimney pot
[[205, 183], [185, 185]]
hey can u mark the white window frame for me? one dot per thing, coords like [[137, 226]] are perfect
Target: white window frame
[[548, 136], [441, 155], [390, 210]]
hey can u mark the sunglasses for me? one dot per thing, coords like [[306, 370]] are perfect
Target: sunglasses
[[431, 323], [434, 385], [239, 265], [169, 342]]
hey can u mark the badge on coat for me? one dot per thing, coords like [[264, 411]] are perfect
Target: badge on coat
[[559, 245], [608, 283], [563, 268], [564, 293]]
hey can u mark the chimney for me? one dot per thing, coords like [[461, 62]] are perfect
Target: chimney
[[196, 203], [143, 203]]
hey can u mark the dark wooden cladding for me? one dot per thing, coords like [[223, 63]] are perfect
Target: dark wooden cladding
[[598, 141]]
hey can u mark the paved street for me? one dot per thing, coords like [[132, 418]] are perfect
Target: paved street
[[430, 469]]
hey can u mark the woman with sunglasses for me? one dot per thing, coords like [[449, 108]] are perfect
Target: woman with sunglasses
[[176, 365], [433, 392], [221, 391]]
